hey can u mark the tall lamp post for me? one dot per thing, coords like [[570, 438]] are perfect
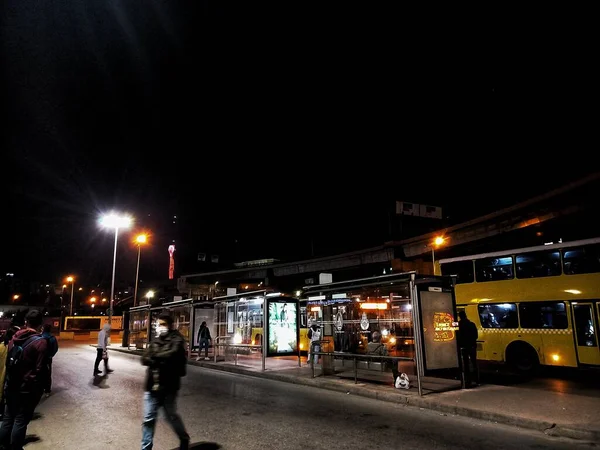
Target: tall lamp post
[[71, 280], [437, 242], [114, 221], [140, 239]]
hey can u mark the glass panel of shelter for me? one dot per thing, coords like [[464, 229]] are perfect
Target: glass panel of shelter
[[365, 310]]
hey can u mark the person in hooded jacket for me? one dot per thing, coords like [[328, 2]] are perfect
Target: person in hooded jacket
[[166, 360], [24, 381]]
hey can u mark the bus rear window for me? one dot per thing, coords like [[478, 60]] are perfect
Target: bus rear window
[[494, 269], [582, 260], [462, 269]]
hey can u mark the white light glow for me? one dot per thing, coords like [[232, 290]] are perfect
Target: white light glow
[[113, 220]]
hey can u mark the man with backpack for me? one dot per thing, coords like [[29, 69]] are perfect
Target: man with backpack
[[27, 355], [167, 362], [52, 349]]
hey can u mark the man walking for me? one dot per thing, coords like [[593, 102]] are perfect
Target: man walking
[[27, 355], [166, 361], [102, 350]]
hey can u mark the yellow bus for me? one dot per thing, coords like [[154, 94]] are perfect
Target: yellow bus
[[532, 306]]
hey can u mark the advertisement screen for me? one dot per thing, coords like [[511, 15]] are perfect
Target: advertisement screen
[[283, 328]]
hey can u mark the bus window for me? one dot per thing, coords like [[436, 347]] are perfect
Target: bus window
[[543, 315], [462, 269], [499, 316], [494, 269], [582, 260], [538, 264]]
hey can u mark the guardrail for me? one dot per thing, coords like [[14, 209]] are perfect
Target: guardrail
[[235, 346], [363, 357]]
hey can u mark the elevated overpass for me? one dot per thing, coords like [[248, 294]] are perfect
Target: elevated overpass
[[572, 207]]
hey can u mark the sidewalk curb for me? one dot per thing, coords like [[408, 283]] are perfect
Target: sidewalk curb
[[549, 428]]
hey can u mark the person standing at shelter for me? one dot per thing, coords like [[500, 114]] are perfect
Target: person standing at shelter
[[167, 363], [467, 341], [102, 350], [377, 348], [314, 347], [27, 354], [204, 340]]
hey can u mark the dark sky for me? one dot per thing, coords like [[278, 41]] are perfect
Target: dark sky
[[265, 125]]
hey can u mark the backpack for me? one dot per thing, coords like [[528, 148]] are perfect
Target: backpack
[[14, 361]]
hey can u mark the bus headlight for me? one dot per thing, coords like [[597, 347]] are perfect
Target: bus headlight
[[555, 357]]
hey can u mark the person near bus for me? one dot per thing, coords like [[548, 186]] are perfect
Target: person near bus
[[314, 347], [204, 340], [467, 341]]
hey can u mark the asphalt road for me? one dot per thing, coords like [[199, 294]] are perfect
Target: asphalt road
[[238, 412], [554, 379]]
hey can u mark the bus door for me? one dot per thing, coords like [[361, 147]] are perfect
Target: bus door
[[586, 333]]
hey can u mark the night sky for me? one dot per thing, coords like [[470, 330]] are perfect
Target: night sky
[[263, 127]]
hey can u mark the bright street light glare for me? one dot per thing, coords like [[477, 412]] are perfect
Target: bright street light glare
[[439, 241], [113, 220], [141, 238], [70, 279], [150, 294]]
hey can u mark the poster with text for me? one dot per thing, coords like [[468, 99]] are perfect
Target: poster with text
[[283, 328]]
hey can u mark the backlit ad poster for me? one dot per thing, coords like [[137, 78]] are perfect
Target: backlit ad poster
[[283, 328]]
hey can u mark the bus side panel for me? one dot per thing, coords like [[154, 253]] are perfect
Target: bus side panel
[[559, 347]]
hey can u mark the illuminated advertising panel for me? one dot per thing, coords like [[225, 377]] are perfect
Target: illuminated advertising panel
[[283, 327]]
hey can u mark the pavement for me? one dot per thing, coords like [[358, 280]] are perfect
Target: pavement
[[232, 411], [560, 414]]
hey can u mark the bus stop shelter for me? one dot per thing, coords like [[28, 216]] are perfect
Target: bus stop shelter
[[258, 325], [414, 315]]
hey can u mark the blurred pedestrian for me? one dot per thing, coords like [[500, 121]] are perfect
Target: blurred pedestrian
[[167, 363], [102, 350], [27, 352]]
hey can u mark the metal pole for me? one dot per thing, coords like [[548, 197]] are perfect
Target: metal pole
[[265, 344], [112, 288], [417, 327], [432, 260], [72, 288], [137, 275]]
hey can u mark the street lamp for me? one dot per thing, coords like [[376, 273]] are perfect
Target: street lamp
[[140, 239], [71, 280], [149, 295], [114, 221], [437, 242]]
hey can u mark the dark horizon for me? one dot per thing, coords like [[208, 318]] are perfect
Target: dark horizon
[[268, 138]]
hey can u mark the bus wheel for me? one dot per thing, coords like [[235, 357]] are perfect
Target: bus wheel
[[522, 357]]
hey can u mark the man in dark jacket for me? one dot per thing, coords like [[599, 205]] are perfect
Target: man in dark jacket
[[467, 341], [24, 380], [166, 361], [204, 339], [52, 349]]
